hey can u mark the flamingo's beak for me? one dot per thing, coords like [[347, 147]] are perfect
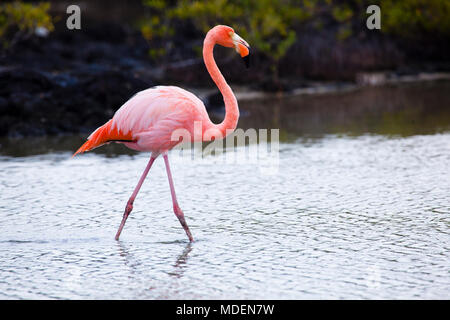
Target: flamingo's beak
[[242, 47]]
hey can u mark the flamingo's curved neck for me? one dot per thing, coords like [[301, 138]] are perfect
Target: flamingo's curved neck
[[231, 106]]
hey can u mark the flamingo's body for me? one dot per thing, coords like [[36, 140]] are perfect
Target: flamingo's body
[[147, 121]]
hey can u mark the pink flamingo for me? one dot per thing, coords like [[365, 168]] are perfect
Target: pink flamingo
[[146, 121]]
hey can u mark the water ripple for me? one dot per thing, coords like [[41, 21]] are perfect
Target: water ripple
[[345, 217]]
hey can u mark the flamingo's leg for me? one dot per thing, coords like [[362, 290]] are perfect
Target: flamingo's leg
[[129, 206], [176, 208]]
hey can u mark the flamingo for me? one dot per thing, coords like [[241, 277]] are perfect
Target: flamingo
[[147, 121]]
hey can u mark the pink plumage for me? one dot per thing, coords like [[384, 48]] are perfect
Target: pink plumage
[[149, 119]]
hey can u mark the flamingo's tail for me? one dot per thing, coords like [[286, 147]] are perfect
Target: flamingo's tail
[[102, 135]]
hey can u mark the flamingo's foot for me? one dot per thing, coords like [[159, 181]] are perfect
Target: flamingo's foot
[[180, 216], [128, 209]]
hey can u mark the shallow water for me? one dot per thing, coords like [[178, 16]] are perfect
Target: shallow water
[[357, 209]]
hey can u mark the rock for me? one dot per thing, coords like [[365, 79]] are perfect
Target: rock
[[38, 103]]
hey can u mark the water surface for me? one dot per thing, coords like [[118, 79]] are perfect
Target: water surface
[[358, 209]]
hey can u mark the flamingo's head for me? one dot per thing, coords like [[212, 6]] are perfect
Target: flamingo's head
[[225, 36]]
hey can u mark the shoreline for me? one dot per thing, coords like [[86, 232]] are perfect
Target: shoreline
[[373, 79]]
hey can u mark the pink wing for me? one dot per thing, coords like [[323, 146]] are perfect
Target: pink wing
[[153, 114], [146, 121]]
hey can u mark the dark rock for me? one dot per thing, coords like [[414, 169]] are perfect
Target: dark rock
[[37, 103], [71, 81]]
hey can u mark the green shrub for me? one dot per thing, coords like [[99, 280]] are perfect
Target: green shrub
[[415, 17], [266, 24], [19, 21]]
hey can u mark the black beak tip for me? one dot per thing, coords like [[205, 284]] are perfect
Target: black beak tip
[[247, 61]]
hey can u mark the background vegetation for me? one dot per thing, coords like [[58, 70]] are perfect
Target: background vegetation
[[19, 21], [272, 26]]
